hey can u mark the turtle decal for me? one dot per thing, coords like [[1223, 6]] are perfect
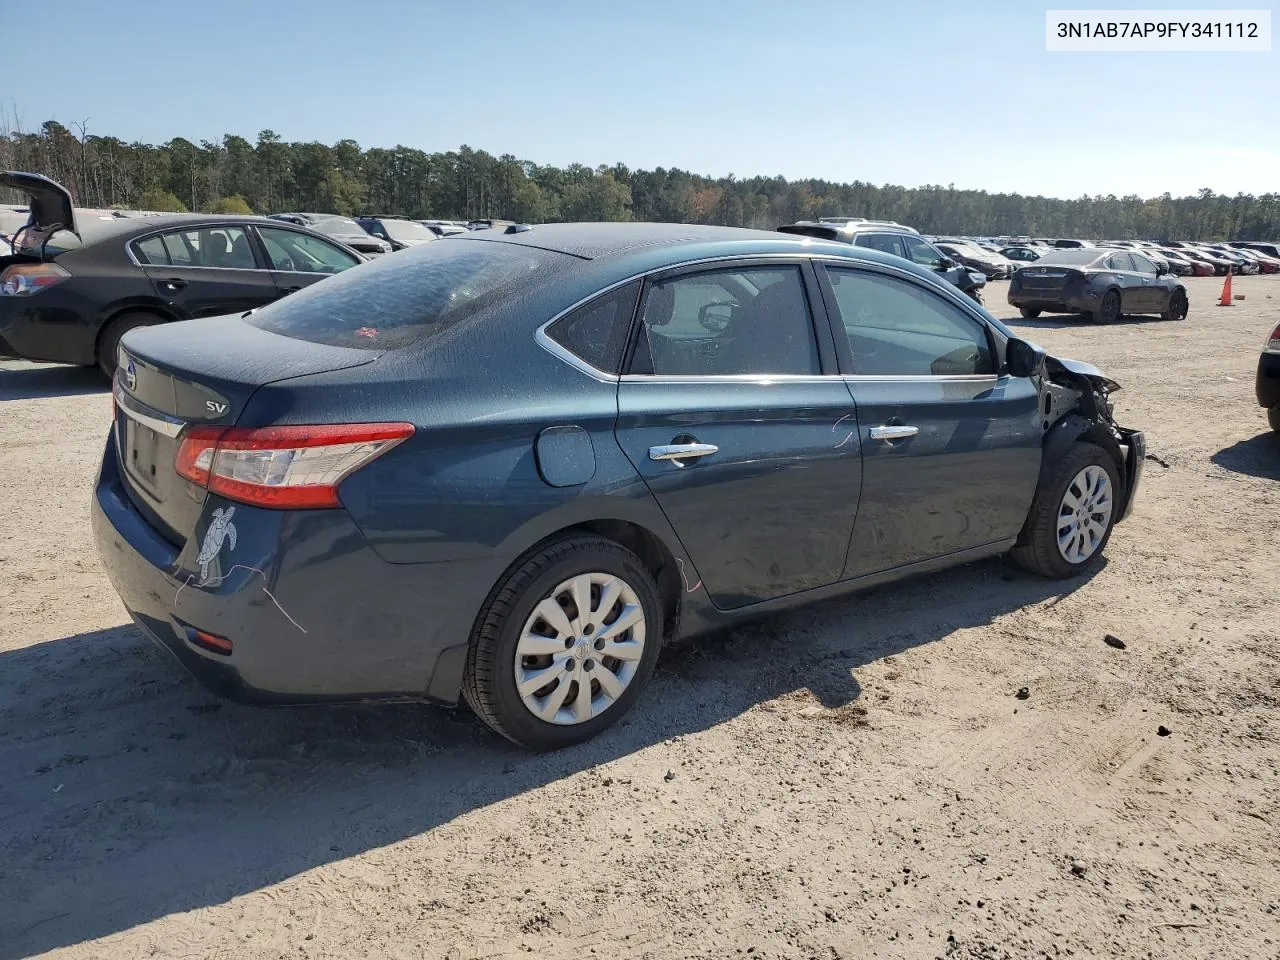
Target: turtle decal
[[220, 528]]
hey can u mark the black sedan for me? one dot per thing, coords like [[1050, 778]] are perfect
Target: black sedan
[[1100, 283], [1268, 383], [72, 288]]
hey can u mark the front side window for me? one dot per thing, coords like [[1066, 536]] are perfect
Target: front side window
[[900, 328], [227, 248], [922, 253], [295, 252], [884, 242], [1143, 265], [752, 320]]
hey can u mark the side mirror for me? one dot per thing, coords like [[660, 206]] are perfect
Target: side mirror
[[1022, 359], [1161, 270], [946, 263], [715, 316]]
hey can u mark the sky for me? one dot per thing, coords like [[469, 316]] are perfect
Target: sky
[[916, 92]]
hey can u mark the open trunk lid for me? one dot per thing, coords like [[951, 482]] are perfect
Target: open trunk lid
[[175, 375], [49, 201]]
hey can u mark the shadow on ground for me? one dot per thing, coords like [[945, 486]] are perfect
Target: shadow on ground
[[1257, 457], [36, 383], [1057, 321], [131, 794]]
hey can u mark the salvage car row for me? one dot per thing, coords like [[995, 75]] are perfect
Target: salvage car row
[[708, 424]]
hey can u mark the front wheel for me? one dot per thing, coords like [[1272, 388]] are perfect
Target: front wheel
[[1028, 313], [1178, 306], [564, 643], [1109, 309], [1072, 514]]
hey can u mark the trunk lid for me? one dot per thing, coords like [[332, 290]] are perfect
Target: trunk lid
[[50, 202], [1046, 279], [197, 372]]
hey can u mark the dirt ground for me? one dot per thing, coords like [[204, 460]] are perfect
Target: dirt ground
[[854, 780]]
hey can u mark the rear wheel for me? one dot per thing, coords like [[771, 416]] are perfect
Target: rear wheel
[[564, 644], [1072, 514], [1273, 418], [1109, 309], [1178, 306], [1028, 313], [109, 339]]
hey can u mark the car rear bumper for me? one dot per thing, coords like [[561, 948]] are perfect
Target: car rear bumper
[[1267, 384], [314, 615], [50, 326], [1051, 301]]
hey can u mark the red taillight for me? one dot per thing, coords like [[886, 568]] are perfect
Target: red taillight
[[283, 467], [1273, 341], [26, 279], [211, 641]]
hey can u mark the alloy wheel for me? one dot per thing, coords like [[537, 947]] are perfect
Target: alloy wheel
[[580, 648], [1084, 515]]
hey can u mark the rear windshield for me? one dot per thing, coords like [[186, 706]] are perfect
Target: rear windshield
[[394, 301], [407, 231]]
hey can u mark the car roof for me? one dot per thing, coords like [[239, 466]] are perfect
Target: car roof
[[595, 241]]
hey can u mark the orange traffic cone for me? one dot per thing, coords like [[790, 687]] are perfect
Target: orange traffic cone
[[1226, 291]]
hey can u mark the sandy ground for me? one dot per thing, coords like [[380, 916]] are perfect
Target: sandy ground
[[854, 780]]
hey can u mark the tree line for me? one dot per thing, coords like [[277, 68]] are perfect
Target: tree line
[[268, 175]]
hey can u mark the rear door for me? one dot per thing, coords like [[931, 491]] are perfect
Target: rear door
[[1132, 294], [206, 271], [734, 414], [299, 259], [950, 447]]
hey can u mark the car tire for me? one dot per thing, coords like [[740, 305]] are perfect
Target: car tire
[[1028, 313], [1178, 306], [1051, 521], [509, 622], [109, 339], [1109, 309], [1273, 418]]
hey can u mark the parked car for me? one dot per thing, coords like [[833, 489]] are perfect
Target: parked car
[[1240, 264], [1221, 265], [892, 238], [1267, 384], [1264, 263], [1270, 249], [1100, 283], [399, 232], [1183, 267], [343, 229], [992, 265], [74, 286], [358, 509], [444, 228], [1069, 244], [1020, 256]]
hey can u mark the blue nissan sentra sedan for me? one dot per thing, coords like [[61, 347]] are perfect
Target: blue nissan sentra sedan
[[514, 463]]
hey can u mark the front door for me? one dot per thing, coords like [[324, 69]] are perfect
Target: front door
[[950, 449], [207, 271], [750, 447]]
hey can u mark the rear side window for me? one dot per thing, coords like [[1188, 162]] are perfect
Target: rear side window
[[884, 242], [597, 331], [418, 293], [151, 250]]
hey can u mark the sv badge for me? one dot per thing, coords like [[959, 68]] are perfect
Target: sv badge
[[218, 409]]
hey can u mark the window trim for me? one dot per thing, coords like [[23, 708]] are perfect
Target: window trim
[[994, 343], [543, 334], [186, 228], [816, 272], [828, 366]]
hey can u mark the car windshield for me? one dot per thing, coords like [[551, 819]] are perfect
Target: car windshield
[[339, 226], [1069, 257], [407, 231], [394, 301]]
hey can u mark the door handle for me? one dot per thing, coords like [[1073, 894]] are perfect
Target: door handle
[[287, 290], [675, 452], [176, 282], [895, 432]]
